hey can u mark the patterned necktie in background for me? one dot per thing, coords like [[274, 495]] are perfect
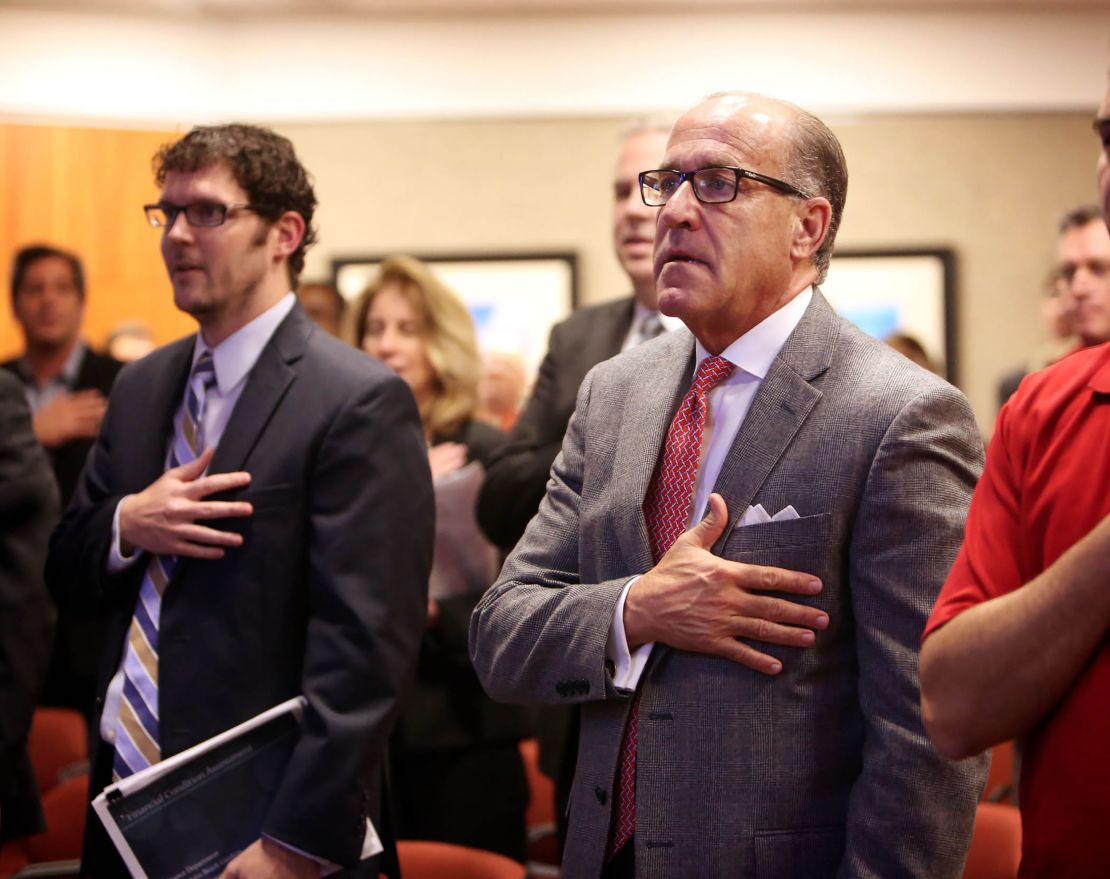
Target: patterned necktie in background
[[137, 743], [651, 326], [667, 510]]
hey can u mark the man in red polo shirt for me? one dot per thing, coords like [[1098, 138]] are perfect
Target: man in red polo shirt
[[1017, 643]]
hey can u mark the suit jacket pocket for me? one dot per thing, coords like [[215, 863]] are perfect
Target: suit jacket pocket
[[806, 531], [812, 852]]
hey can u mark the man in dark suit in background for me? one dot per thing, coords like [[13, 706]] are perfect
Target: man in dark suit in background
[[747, 680], [28, 510], [256, 517], [517, 477], [66, 385]]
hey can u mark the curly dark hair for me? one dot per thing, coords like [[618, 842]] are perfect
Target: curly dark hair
[[262, 162]]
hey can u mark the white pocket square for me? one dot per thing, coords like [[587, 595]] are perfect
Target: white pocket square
[[756, 515]]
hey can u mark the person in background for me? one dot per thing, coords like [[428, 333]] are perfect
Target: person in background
[[129, 340], [324, 304], [1075, 308], [66, 384], [911, 348], [28, 511], [517, 478], [457, 772], [1016, 646], [501, 389]]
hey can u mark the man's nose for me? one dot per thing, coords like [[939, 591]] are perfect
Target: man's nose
[[682, 208], [178, 227]]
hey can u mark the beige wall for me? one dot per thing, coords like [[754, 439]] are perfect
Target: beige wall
[[988, 186]]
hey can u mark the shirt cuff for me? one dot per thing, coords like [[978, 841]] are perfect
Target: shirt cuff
[[117, 561], [628, 666]]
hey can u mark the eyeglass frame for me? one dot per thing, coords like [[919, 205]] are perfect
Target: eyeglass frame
[[177, 210], [739, 174]]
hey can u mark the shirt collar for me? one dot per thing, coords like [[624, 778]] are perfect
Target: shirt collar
[[68, 375], [236, 355], [756, 350]]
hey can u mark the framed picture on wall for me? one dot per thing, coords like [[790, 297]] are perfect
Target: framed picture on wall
[[905, 292], [514, 299]]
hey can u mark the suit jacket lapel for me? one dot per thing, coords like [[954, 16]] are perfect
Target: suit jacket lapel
[[268, 381], [617, 330], [167, 390], [782, 404], [652, 401]]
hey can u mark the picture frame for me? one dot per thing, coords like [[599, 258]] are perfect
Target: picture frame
[[514, 299], [908, 291]]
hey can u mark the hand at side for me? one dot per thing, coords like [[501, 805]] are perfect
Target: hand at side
[[266, 859]]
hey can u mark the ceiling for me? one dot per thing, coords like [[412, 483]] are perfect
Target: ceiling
[[454, 8]]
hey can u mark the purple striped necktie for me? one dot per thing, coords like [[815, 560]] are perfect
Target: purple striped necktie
[[137, 741]]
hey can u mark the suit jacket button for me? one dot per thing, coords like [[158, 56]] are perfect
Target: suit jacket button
[[602, 795]]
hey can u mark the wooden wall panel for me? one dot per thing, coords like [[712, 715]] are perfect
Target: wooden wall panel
[[83, 189]]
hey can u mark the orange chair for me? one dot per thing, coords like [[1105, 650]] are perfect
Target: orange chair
[[440, 860], [1001, 782], [539, 817], [58, 748], [58, 745], [996, 843], [64, 807]]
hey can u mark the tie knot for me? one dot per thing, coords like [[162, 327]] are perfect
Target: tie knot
[[650, 327], [205, 370], [711, 372]]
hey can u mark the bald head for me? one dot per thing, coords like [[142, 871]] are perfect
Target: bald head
[[737, 247], [809, 155]]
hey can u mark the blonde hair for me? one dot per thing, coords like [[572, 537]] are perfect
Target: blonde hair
[[449, 339]]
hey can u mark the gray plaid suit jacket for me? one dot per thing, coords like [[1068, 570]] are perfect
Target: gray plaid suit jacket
[[823, 770]]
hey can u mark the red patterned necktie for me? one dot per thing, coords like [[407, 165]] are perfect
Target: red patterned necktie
[[667, 510]]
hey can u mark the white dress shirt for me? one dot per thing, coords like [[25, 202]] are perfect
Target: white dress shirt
[[752, 355]]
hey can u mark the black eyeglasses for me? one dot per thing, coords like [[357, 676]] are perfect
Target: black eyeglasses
[[199, 213], [710, 185]]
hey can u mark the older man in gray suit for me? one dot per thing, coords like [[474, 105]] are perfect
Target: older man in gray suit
[[748, 686]]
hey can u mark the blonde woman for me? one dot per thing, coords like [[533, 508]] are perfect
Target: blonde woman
[[457, 772]]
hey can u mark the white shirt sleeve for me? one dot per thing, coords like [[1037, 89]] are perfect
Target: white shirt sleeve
[[628, 666], [117, 561]]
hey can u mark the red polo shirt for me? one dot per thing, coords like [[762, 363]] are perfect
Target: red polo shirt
[[1046, 485]]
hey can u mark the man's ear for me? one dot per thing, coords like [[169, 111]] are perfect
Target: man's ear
[[811, 227], [288, 231]]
